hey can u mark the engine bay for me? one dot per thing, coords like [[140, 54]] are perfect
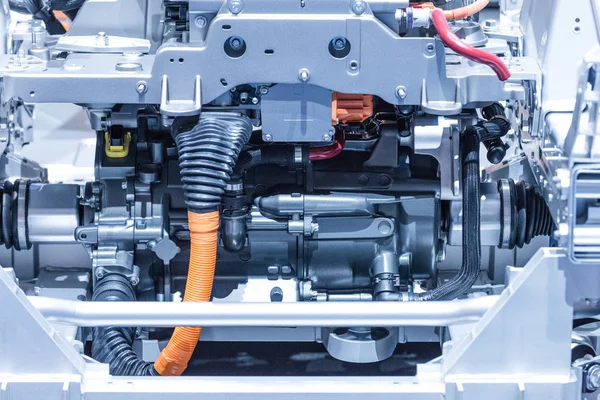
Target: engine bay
[[336, 183]]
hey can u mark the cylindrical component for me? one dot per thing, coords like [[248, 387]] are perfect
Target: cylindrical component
[[207, 155], [111, 344], [335, 204], [313, 314], [385, 272], [53, 213], [233, 232]]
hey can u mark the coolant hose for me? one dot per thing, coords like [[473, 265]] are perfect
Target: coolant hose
[[207, 155], [461, 47], [471, 224]]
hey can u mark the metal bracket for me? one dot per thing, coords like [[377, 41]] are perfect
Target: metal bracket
[[180, 107]]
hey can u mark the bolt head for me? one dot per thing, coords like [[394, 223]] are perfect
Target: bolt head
[[264, 90], [99, 274], [142, 87], [200, 21], [359, 7], [235, 6], [255, 100], [134, 280], [235, 43], [304, 75], [593, 378], [268, 137], [401, 92], [326, 137]]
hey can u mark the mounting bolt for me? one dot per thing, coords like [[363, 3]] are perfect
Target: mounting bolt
[[592, 380], [263, 90], [134, 280], [142, 87], [326, 137], [267, 137], [200, 21], [304, 75], [99, 274], [255, 100], [359, 7], [235, 6], [401, 92]]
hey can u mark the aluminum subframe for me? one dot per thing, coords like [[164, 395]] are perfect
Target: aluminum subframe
[[520, 348]]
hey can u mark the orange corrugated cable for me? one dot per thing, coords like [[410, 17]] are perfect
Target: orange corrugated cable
[[174, 358]]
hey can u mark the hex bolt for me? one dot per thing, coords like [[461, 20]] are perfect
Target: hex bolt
[[339, 43], [99, 274], [359, 7], [401, 92], [263, 90], [200, 21], [267, 137], [235, 43], [326, 137], [255, 100], [235, 6], [142, 87], [304, 75], [134, 280], [592, 381]]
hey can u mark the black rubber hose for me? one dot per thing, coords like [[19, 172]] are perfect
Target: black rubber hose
[[112, 345], [207, 157], [471, 226]]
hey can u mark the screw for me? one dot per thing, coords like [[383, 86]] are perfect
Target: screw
[[326, 137], [430, 48], [235, 6], [263, 90], [200, 22], [99, 274], [353, 65], [339, 43], [134, 280], [304, 75], [359, 7], [235, 43], [255, 100], [401, 92], [142, 87], [267, 137]]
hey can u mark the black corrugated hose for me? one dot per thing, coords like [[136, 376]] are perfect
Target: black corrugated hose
[[112, 345]]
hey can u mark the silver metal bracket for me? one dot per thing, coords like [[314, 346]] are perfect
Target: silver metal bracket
[[180, 107]]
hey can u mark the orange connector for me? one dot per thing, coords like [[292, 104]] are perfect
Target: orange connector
[[351, 107]]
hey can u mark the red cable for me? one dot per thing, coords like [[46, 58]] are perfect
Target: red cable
[[459, 46], [329, 151]]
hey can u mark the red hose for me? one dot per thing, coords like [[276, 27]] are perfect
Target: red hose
[[329, 151], [459, 46]]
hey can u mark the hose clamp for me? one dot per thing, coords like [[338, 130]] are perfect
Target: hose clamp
[[505, 213]]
